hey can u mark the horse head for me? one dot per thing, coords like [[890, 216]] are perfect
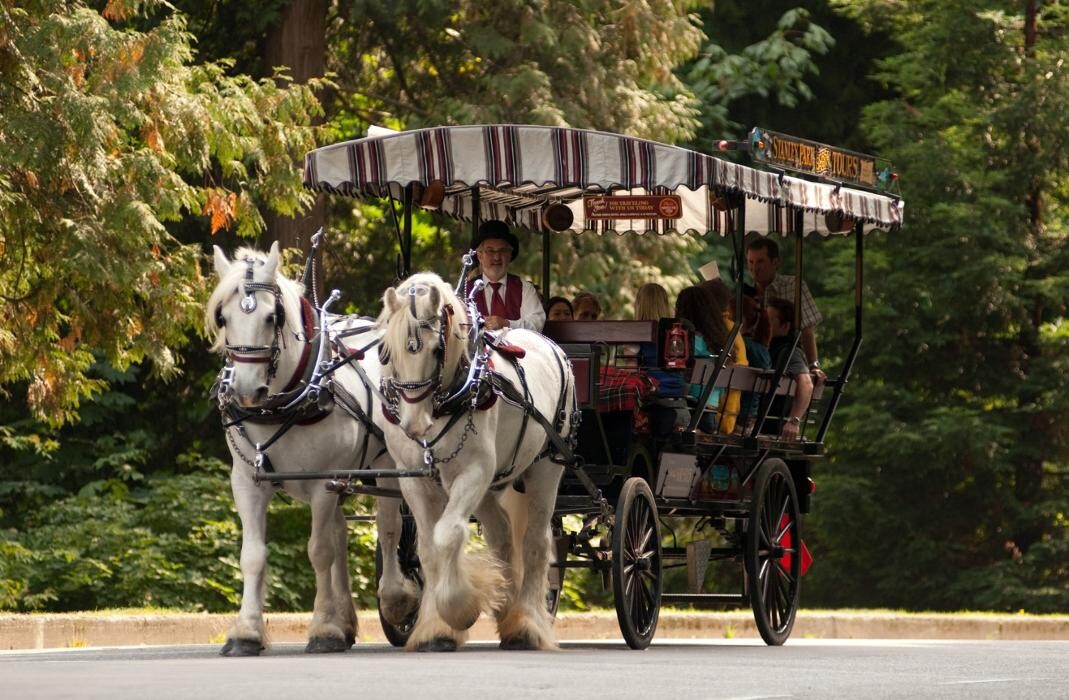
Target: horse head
[[421, 347], [250, 314]]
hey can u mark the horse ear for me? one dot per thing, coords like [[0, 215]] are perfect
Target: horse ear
[[221, 263], [390, 300], [436, 298], [271, 265]]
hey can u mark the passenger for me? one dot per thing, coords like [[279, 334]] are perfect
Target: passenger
[[763, 261], [651, 303], [754, 324], [559, 309], [700, 307], [731, 405], [507, 301], [669, 408], [781, 321], [586, 307]]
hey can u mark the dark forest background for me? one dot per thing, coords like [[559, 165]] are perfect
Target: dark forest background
[[136, 135]]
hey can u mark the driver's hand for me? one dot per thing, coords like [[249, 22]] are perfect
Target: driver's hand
[[496, 323]]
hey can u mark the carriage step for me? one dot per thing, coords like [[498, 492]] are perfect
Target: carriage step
[[704, 600]]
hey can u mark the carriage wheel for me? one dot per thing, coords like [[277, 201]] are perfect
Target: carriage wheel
[[636, 563], [406, 554], [772, 562]]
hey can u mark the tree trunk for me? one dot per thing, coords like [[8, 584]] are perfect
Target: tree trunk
[[298, 43], [1028, 487]]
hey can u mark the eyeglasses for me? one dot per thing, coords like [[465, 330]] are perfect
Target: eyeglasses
[[496, 251]]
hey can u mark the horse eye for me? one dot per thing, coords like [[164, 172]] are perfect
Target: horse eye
[[270, 319]]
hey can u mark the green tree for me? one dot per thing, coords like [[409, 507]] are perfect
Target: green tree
[[949, 482], [108, 135]]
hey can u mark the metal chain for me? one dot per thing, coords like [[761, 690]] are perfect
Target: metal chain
[[469, 427], [237, 450], [315, 281]]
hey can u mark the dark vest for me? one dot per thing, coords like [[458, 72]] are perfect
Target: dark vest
[[513, 298]]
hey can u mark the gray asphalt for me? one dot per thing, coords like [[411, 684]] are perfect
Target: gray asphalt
[[803, 668]]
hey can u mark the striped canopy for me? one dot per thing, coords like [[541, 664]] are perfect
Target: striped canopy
[[519, 170]]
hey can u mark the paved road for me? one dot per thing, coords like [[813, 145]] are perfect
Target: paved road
[[676, 669]]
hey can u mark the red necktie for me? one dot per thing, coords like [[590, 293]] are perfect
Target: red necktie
[[497, 304]]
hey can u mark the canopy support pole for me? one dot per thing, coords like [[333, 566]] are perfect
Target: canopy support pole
[[737, 235], [798, 221], [406, 243], [545, 264], [848, 365]]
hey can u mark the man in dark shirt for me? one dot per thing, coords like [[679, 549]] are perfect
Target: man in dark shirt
[[781, 323]]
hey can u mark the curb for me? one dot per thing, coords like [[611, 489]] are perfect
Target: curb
[[75, 630]]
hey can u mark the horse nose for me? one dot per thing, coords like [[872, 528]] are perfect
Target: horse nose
[[255, 399]]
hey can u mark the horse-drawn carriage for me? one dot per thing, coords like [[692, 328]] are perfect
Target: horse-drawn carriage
[[742, 492]]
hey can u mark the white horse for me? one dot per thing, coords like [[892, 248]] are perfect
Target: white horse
[[270, 336], [433, 375]]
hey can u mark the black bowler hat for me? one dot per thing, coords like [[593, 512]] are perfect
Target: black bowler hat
[[499, 230]]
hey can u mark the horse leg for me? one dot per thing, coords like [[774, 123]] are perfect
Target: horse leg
[[470, 584], [398, 595], [326, 633], [344, 604], [246, 636], [495, 515], [431, 633], [528, 624]]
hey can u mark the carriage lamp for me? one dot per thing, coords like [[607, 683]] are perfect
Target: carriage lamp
[[676, 347]]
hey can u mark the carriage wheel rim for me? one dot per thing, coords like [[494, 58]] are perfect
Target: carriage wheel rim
[[777, 586], [639, 566]]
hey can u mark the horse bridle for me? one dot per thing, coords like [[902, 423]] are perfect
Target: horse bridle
[[259, 354], [394, 389]]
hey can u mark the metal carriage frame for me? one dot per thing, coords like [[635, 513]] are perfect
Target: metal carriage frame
[[541, 178]]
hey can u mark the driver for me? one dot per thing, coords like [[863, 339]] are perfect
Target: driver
[[506, 301]]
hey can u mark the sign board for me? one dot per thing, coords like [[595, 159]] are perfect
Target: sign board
[[601, 207], [813, 158]]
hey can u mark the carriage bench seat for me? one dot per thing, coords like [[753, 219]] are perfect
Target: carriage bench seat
[[606, 332], [752, 379], [583, 342]]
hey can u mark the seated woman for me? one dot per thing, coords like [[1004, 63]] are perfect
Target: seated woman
[[754, 328], [669, 409], [558, 309], [586, 307], [709, 313]]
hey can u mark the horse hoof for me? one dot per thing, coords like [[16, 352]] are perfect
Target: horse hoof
[[241, 647], [326, 645], [438, 644], [521, 643]]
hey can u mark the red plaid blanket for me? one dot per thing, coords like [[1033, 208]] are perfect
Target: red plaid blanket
[[623, 389]]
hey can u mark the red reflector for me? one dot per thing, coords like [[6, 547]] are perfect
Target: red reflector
[[812, 486], [787, 541]]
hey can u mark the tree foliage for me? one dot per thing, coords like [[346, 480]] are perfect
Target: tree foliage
[[108, 135], [951, 474]]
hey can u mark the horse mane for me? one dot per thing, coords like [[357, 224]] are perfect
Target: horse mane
[[230, 285], [397, 322]]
